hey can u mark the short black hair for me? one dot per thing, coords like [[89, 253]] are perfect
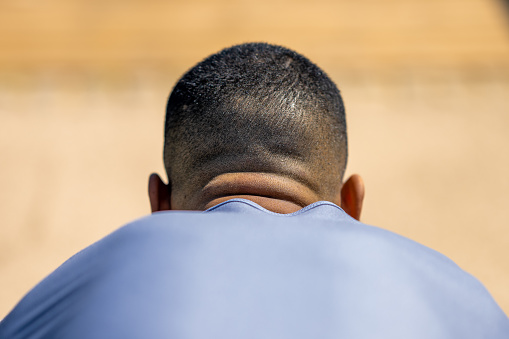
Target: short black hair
[[256, 107]]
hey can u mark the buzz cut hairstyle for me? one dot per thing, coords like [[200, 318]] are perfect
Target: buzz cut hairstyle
[[255, 107]]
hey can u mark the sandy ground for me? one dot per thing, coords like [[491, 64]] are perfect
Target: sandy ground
[[428, 126]]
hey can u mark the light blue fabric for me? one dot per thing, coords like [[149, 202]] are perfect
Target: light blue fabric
[[240, 271]]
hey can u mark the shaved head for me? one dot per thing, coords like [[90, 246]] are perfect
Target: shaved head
[[255, 108]]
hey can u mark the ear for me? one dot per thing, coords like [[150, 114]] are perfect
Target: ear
[[352, 196], [159, 194]]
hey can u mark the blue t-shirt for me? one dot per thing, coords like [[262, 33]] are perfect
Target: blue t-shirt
[[240, 271]]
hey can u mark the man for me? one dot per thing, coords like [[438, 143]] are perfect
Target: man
[[256, 136]]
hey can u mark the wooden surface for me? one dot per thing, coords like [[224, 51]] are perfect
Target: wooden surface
[[83, 87]]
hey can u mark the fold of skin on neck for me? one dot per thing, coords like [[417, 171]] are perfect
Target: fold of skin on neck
[[275, 192]]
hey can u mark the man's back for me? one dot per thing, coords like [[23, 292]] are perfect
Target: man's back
[[240, 271]]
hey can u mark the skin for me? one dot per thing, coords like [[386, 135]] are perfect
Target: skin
[[272, 191]]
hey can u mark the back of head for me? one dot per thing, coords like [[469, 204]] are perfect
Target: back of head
[[255, 108]]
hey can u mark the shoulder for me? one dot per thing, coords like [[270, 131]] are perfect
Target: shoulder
[[317, 269]]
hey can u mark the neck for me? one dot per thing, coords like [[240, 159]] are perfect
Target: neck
[[274, 192]]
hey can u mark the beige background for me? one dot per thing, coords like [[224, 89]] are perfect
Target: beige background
[[83, 86]]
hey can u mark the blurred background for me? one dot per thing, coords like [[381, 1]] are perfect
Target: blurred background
[[83, 87]]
